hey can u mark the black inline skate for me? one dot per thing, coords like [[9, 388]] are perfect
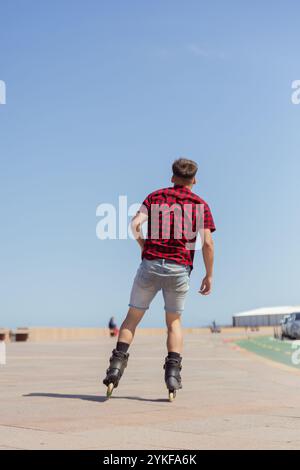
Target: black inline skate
[[172, 368], [117, 364]]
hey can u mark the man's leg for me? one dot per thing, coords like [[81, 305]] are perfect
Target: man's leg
[[173, 360], [175, 336], [129, 325], [119, 358], [142, 293]]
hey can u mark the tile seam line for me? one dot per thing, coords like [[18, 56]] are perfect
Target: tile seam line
[[31, 429]]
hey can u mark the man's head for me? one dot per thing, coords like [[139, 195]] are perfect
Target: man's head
[[184, 172]]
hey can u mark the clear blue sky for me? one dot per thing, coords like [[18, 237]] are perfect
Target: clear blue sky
[[101, 97]]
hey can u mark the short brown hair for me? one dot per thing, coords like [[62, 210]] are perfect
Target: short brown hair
[[184, 169]]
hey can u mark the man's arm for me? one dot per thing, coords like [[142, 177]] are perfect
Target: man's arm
[[136, 227], [208, 257]]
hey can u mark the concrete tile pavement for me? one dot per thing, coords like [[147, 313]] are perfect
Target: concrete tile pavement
[[51, 397]]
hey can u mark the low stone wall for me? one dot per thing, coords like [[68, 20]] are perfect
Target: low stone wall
[[40, 334], [37, 334], [63, 334], [4, 334]]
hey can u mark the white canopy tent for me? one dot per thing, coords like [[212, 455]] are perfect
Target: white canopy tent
[[266, 316]]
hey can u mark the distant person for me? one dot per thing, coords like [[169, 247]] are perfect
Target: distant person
[[113, 330], [215, 328], [175, 216]]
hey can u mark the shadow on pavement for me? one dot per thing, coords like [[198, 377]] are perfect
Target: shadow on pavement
[[156, 400], [66, 395], [96, 398]]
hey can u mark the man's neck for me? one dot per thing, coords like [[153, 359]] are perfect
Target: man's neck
[[188, 186]]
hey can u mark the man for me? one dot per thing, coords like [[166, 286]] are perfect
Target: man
[[175, 216], [112, 326]]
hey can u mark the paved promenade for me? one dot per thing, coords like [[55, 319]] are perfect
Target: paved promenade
[[51, 398]]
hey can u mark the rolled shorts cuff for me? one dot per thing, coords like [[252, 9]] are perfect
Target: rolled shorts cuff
[[138, 308], [179, 311]]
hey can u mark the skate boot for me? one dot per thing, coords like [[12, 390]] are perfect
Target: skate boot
[[117, 364], [172, 368]]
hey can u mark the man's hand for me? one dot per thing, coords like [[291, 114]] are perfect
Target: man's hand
[[208, 256], [206, 285], [136, 227]]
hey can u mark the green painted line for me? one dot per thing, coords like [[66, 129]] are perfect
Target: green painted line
[[271, 348]]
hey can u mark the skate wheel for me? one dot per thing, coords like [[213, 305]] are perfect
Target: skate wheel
[[109, 390], [172, 395]]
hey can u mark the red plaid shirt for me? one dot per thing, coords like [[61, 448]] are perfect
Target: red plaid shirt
[[175, 216]]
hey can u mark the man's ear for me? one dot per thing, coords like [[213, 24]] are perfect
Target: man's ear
[[172, 179], [194, 181]]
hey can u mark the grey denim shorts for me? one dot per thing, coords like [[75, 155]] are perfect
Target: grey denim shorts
[[160, 274]]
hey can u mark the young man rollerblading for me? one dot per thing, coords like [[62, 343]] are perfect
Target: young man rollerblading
[[175, 217]]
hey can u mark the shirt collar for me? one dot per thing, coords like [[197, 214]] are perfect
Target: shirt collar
[[181, 186]]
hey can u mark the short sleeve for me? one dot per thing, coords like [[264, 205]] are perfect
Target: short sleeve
[[145, 206], [208, 219]]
